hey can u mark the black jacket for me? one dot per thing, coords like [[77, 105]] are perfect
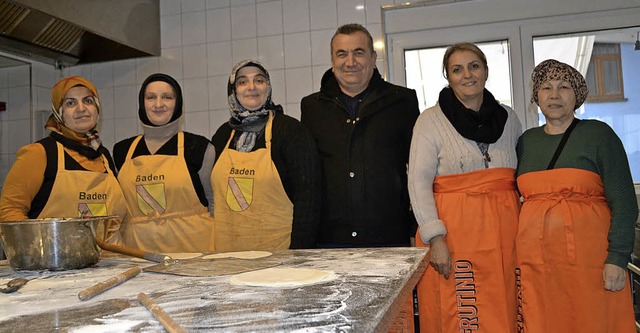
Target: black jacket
[[294, 154], [365, 199]]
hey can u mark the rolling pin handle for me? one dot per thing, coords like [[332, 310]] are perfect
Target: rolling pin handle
[[156, 257], [100, 287]]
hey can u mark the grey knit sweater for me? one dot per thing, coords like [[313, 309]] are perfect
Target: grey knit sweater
[[437, 149]]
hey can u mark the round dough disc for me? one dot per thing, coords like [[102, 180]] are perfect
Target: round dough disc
[[239, 255], [282, 277], [175, 255], [183, 255]]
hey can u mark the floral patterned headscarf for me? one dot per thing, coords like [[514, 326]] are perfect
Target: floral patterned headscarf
[[249, 123], [555, 70]]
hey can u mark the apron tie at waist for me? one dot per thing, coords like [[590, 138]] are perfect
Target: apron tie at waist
[[562, 198], [497, 185]]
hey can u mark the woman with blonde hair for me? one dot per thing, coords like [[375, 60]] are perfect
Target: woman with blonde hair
[[462, 188]]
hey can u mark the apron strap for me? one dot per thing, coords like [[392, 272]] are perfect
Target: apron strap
[[180, 143], [563, 141], [61, 164], [132, 148], [60, 156], [135, 142], [267, 131]]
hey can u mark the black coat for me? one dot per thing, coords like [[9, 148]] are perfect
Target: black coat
[[365, 198]]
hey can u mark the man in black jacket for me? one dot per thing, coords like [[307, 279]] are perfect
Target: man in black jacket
[[362, 126]]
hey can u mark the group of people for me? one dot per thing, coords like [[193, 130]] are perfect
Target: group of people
[[363, 168], [553, 262]]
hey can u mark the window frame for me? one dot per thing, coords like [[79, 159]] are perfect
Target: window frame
[[519, 33], [408, 34], [597, 60]]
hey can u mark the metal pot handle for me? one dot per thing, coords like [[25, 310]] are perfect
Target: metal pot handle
[[89, 225]]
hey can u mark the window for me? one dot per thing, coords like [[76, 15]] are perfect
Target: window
[[423, 72], [604, 76], [605, 56]]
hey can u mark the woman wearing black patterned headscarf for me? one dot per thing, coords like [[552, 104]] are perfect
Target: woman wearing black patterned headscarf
[[164, 175], [576, 228], [266, 177]]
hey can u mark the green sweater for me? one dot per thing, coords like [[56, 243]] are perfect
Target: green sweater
[[592, 146]]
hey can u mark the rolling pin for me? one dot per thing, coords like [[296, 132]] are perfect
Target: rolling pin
[[165, 320], [108, 284], [156, 257]]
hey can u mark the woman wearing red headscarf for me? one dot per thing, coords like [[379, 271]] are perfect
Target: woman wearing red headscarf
[[69, 173]]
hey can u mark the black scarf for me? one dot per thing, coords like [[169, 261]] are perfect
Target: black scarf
[[485, 125], [84, 150]]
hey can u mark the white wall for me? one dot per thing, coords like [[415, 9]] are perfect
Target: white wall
[[24, 88], [201, 41]]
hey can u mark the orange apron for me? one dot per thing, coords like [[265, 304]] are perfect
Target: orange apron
[[480, 211], [403, 322], [80, 193], [165, 214], [561, 249], [252, 210]]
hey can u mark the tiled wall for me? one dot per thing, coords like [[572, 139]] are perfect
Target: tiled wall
[[23, 88], [201, 41], [15, 91]]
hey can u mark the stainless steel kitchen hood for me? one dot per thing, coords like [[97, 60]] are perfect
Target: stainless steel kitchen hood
[[70, 32]]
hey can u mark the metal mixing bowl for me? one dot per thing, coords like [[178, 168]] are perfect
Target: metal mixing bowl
[[51, 244]]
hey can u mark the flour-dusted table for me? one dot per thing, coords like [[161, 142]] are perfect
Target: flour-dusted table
[[372, 286]]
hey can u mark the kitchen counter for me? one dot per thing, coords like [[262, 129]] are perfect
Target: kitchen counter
[[371, 287]]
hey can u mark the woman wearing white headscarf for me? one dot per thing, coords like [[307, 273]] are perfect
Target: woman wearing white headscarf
[[266, 178]]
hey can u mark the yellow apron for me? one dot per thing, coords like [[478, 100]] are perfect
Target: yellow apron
[[561, 249], [252, 210], [480, 210], [165, 214], [78, 193]]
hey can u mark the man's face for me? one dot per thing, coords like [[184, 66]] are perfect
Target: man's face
[[353, 62]]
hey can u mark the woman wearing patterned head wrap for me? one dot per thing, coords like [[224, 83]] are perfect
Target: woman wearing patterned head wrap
[[576, 229], [69, 173], [266, 178], [164, 175]]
